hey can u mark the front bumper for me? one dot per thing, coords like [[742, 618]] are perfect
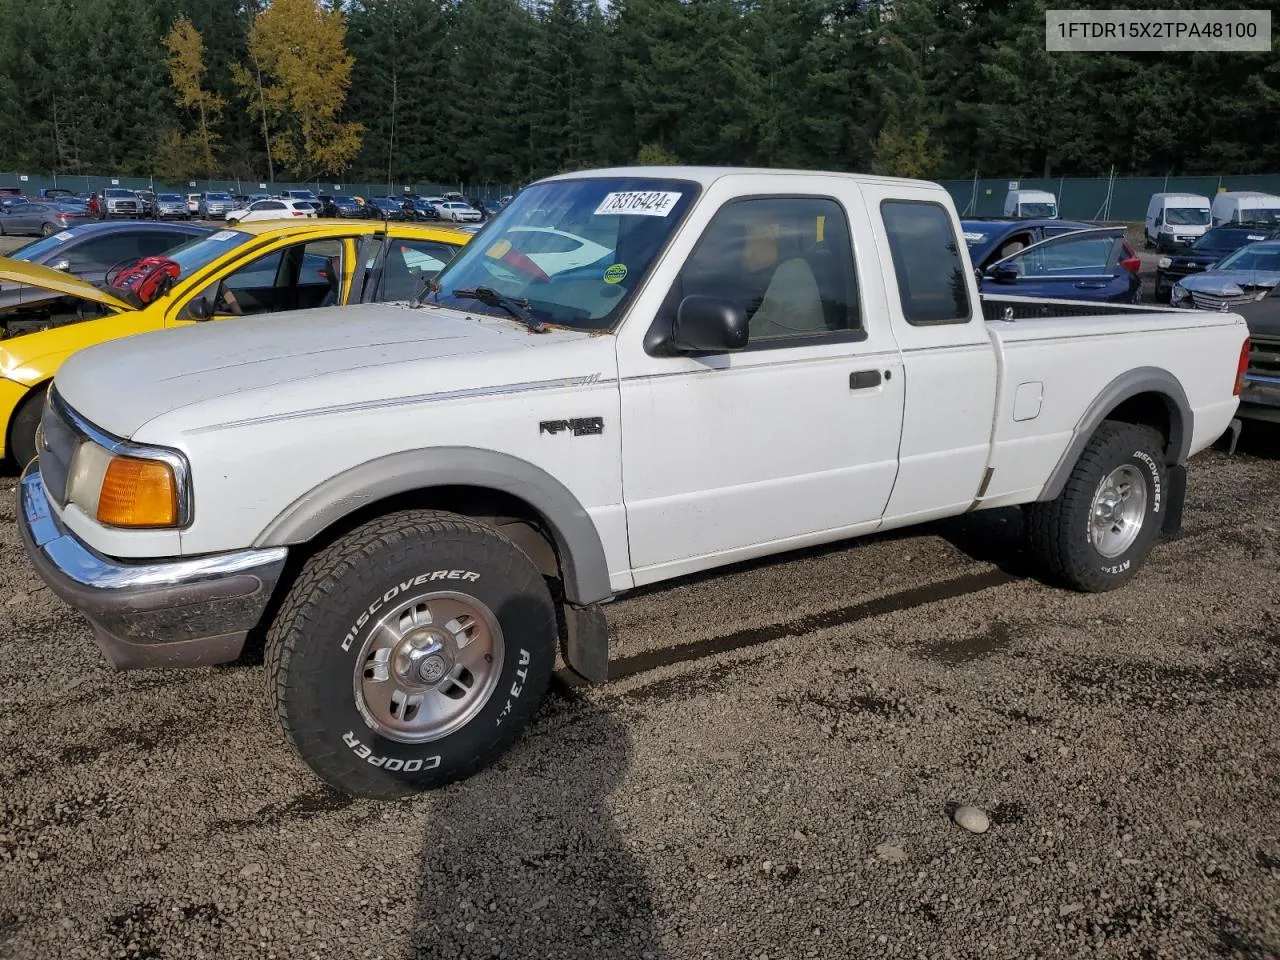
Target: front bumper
[[184, 612]]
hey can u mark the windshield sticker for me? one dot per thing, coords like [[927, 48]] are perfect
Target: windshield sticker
[[616, 273], [223, 235], [499, 250], [63, 237], [638, 203]]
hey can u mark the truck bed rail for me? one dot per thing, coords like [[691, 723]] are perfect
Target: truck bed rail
[[1009, 309]]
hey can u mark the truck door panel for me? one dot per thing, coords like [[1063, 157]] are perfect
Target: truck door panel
[[796, 436]]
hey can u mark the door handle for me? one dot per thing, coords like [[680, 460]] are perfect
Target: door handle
[[863, 379]]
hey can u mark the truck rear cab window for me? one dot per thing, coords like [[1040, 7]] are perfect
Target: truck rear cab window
[[926, 259], [787, 261]]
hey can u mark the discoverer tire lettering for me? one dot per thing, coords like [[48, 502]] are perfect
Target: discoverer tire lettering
[[404, 561]]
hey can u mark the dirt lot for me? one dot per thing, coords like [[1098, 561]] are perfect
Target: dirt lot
[[770, 777]]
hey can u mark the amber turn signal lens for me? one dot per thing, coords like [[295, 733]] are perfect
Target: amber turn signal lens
[[138, 493]]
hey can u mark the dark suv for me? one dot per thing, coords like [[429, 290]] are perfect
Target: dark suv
[[1215, 245], [340, 205]]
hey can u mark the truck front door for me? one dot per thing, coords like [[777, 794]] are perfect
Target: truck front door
[[792, 440]]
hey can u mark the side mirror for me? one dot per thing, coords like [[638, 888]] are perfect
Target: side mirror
[[198, 309], [709, 325], [1003, 273]]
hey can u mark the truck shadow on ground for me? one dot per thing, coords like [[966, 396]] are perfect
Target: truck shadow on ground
[[524, 859]]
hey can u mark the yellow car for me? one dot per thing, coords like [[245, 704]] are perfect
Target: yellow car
[[256, 268]]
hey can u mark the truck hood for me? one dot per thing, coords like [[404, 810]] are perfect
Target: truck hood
[[1231, 283], [55, 281], [308, 360]]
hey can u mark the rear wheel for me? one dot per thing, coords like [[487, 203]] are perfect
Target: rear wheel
[[46, 229], [410, 653], [1098, 532]]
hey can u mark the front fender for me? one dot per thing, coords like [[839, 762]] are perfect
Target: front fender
[[582, 557]]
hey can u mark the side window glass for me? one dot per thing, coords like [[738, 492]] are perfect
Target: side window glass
[[256, 273], [926, 259], [103, 253], [786, 261], [320, 275], [410, 263], [1088, 256], [154, 244]]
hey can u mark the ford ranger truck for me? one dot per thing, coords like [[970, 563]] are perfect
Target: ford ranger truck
[[631, 375]]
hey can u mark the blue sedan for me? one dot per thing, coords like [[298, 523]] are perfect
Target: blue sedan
[[1096, 265], [992, 240]]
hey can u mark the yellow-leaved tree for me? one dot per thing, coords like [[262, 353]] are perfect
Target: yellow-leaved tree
[[297, 81], [186, 71], [898, 152]]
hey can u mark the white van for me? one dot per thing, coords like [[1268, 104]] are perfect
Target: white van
[[1037, 204], [1245, 206], [1175, 220]]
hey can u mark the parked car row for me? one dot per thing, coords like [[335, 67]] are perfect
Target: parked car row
[[102, 281]]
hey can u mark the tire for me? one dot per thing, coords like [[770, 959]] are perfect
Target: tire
[[46, 229], [337, 629], [22, 428], [1063, 536]]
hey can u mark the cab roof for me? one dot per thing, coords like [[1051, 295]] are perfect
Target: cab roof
[[705, 176]]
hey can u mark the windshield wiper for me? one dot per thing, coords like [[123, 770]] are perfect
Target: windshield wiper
[[517, 308]]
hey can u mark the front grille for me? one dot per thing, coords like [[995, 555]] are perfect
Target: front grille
[[1212, 301], [1264, 356], [57, 448]]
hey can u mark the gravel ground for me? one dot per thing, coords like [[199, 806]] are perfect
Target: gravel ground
[[771, 777]]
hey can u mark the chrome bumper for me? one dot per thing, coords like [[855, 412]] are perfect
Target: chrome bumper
[[185, 612], [1260, 398]]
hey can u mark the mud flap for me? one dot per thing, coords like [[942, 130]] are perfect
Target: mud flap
[[1176, 496], [585, 643]]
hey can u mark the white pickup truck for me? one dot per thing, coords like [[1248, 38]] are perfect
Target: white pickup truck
[[628, 376]]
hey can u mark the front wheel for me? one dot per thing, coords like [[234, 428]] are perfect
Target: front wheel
[[23, 427], [410, 653], [1096, 535]]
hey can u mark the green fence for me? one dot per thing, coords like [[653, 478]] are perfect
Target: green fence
[[1098, 198], [31, 184]]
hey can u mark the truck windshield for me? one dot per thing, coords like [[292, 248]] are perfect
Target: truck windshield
[[1186, 216], [1039, 211], [571, 252]]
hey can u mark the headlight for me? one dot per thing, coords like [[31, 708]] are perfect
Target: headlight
[[1164, 263], [122, 491]]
